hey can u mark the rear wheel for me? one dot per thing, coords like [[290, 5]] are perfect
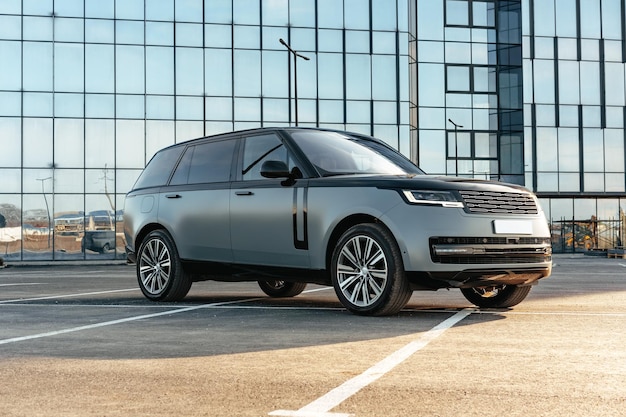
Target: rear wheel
[[501, 296], [159, 270], [277, 288], [367, 271]]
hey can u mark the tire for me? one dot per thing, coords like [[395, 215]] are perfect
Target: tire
[[105, 248], [367, 271], [279, 288], [503, 296], [160, 274]]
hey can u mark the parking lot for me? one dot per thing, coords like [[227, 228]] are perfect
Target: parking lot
[[81, 340]]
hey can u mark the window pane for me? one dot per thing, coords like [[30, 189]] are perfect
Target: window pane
[[11, 155], [614, 150], [218, 11], [358, 85], [68, 67], [593, 150], [356, 14], [246, 12], [547, 149], [189, 34], [158, 33], [384, 15], [219, 108], [99, 68], [38, 28], [211, 162], [275, 76], [218, 36], [189, 108], [37, 66], [130, 147], [160, 10], [247, 73], [330, 14], [218, 72], [10, 56], [568, 150], [129, 9], [302, 13], [68, 30], [258, 149], [69, 105], [99, 31], [129, 32], [330, 69], [189, 71], [188, 10], [158, 171], [275, 12], [160, 107], [99, 143], [458, 78], [159, 70], [37, 136], [457, 12], [129, 69], [384, 80], [129, 106], [566, 18]]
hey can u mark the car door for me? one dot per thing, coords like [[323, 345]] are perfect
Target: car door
[[195, 205], [268, 216]]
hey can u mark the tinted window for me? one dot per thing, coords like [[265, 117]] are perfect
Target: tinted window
[[159, 168], [258, 149], [208, 162]]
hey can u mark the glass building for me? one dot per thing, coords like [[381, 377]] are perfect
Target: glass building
[[523, 91]]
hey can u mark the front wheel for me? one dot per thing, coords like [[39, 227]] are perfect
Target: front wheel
[[502, 296], [160, 272], [368, 273]]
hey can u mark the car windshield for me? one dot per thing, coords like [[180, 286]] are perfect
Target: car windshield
[[333, 153]]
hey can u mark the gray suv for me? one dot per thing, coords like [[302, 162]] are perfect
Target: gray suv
[[291, 206]]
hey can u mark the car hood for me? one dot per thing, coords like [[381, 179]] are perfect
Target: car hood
[[417, 182]]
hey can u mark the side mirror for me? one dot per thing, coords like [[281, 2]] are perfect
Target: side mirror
[[275, 169]]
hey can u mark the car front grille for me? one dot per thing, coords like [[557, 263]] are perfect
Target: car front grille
[[492, 202], [490, 250]]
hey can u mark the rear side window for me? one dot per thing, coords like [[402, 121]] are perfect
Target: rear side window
[[205, 163], [159, 168]]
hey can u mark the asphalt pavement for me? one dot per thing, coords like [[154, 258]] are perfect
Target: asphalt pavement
[[81, 340]]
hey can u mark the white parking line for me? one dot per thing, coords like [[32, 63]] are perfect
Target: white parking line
[[322, 406], [51, 297], [112, 322], [21, 284]]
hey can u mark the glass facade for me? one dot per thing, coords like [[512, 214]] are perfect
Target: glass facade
[[574, 109], [91, 89], [468, 101], [531, 92]]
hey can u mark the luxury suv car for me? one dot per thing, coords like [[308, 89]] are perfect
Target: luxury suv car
[[291, 206]]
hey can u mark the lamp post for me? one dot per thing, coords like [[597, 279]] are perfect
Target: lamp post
[[456, 147], [296, 55], [45, 199]]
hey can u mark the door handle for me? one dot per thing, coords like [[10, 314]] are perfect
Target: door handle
[[173, 196], [243, 193]]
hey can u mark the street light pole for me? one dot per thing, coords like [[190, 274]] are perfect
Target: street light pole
[[456, 147], [296, 55], [45, 199]]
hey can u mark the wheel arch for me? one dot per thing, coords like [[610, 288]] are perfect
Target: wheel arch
[[150, 227], [344, 225]]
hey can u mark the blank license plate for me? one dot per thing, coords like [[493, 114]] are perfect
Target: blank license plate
[[513, 227]]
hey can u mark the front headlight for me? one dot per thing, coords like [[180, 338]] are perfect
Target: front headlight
[[439, 198]]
